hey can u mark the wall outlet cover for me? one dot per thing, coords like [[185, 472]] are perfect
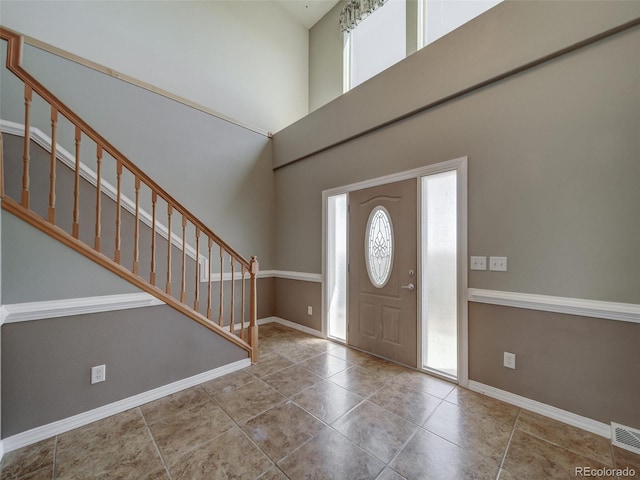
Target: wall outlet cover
[[510, 360], [98, 374]]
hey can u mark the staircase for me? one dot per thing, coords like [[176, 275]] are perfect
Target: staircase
[[137, 230]]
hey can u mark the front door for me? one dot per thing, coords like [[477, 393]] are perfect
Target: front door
[[382, 271]]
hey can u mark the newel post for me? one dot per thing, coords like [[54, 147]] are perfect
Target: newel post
[[254, 267]]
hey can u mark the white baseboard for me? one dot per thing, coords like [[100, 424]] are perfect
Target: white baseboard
[[23, 312], [61, 426], [287, 323], [1, 450], [575, 420]]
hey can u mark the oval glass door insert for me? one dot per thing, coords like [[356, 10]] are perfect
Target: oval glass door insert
[[378, 246]]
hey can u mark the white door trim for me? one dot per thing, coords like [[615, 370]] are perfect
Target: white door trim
[[460, 165]]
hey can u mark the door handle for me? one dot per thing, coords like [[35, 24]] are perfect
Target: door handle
[[411, 286]]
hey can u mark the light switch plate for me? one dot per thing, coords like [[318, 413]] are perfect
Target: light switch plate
[[478, 263], [498, 264]]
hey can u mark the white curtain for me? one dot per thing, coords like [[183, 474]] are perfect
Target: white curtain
[[357, 10]]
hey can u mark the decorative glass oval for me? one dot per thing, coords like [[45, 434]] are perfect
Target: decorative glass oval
[[378, 246]]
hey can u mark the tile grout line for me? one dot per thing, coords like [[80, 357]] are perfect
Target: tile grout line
[[423, 426], [404, 445], [55, 456], [587, 456], [506, 450], [242, 431], [155, 444], [274, 464], [327, 425]]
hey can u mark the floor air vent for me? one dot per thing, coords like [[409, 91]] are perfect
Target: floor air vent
[[626, 437]]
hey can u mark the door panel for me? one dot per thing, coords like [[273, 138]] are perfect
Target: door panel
[[382, 319]]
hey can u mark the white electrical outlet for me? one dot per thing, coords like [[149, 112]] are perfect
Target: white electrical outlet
[[309, 310], [498, 264], [478, 263], [98, 374], [510, 360]]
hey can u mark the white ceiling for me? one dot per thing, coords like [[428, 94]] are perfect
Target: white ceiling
[[307, 12]]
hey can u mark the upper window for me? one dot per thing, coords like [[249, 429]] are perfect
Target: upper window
[[439, 17], [379, 41]]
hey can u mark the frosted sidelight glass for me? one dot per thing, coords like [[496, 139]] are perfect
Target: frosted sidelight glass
[[337, 266], [439, 273]]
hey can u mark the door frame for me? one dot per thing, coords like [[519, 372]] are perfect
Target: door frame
[[460, 166]]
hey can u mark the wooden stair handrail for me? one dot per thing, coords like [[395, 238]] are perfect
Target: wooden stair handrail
[[22, 210], [40, 223], [14, 65]]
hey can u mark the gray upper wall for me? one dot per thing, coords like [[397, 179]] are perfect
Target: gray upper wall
[[219, 171], [553, 152], [35, 267]]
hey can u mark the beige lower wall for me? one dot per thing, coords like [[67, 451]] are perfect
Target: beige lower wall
[[266, 297], [584, 365], [292, 297]]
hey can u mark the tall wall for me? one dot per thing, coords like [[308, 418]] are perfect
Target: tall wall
[[218, 170], [46, 363], [247, 60], [553, 168], [221, 172], [326, 43], [325, 59]]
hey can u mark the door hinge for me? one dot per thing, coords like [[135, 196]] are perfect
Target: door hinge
[[348, 208]]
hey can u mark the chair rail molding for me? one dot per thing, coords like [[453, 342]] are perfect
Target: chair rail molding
[[624, 312], [291, 275], [24, 312]]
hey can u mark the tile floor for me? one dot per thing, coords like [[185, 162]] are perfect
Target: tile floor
[[312, 409]]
